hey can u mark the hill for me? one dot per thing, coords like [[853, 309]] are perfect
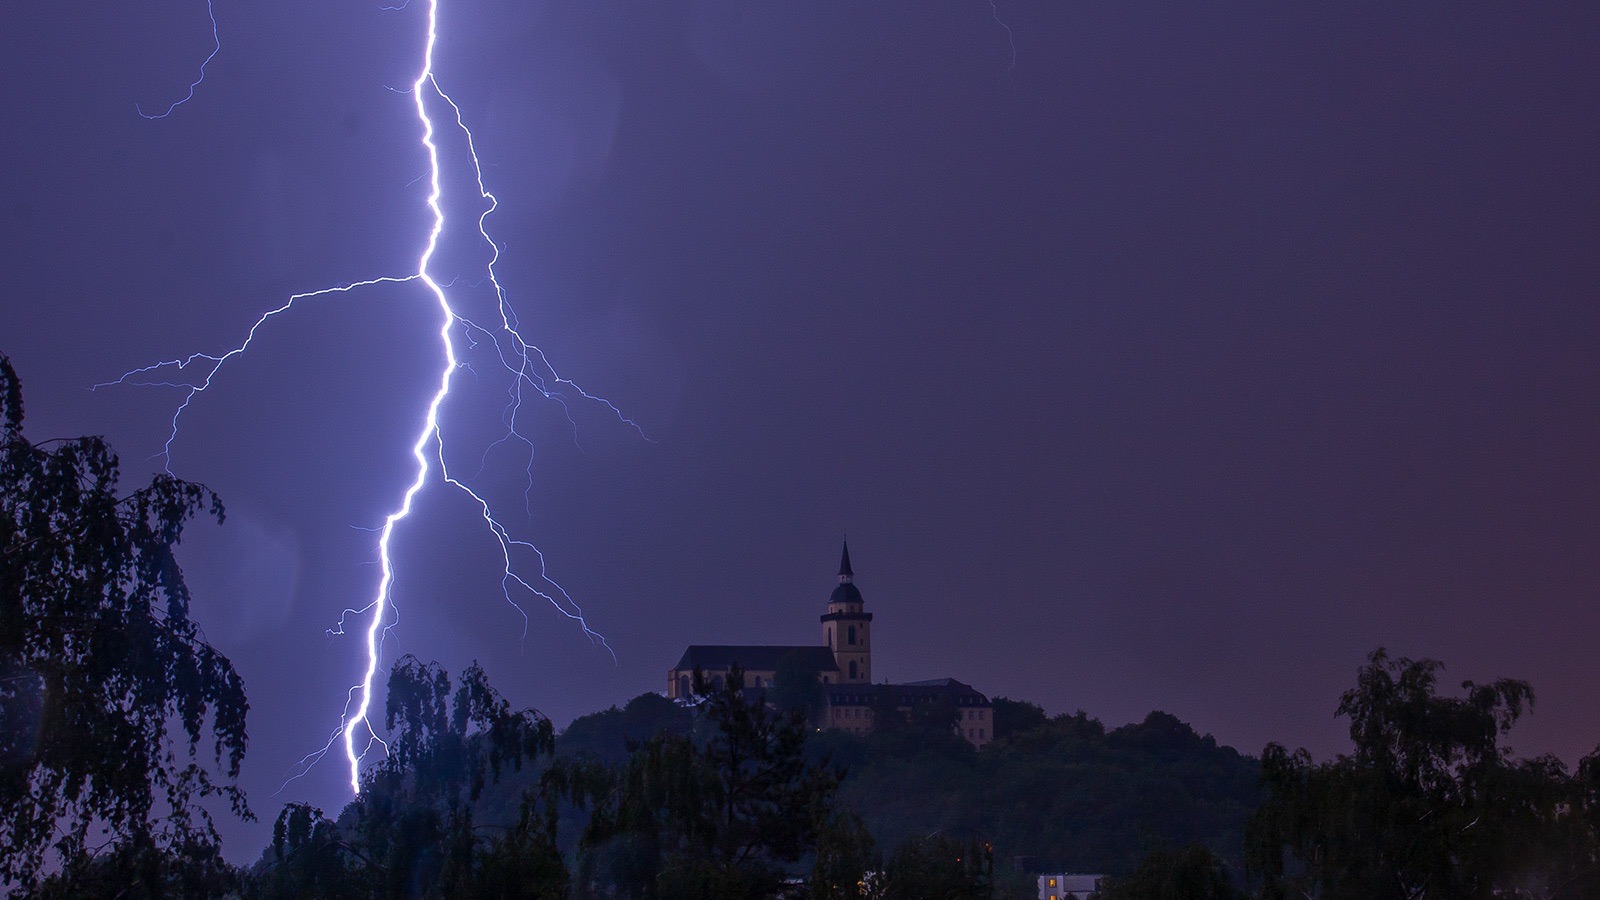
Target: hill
[[1064, 791]]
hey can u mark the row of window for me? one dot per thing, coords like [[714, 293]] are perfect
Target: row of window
[[850, 636], [686, 686]]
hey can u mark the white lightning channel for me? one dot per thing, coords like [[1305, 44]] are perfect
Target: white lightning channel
[[216, 47], [430, 432], [527, 364]]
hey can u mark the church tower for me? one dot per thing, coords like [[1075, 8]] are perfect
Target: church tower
[[847, 630]]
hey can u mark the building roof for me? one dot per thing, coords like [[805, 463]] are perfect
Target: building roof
[[846, 593], [753, 657], [915, 691]]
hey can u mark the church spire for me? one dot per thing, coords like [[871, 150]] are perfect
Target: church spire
[[847, 627]]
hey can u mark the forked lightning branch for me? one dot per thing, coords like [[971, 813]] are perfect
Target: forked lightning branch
[[529, 372]]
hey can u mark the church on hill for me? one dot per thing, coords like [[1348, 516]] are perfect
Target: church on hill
[[843, 665]]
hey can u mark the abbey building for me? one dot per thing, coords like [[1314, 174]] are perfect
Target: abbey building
[[842, 663]]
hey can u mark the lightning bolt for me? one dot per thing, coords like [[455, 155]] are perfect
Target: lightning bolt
[[531, 372], [1011, 40], [216, 47]]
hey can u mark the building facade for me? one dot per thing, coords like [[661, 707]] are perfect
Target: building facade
[[1067, 886], [842, 664]]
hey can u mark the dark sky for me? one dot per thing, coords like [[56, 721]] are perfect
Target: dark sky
[[1176, 364]]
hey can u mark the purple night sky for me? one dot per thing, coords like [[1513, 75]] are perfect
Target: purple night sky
[[1176, 365]]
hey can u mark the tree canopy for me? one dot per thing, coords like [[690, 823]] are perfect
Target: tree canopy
[[1067, 792], [720, 813], [1428, 804], [107, 687], [414, 829]]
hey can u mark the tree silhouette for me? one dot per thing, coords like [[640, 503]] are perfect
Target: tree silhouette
[[719, 814], [1429, 804], [414, 830], [107, 687]]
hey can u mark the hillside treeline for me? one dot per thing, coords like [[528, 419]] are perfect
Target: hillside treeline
[[122, 733]]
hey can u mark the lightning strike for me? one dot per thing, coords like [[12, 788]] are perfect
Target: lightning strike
[[216, 47], [1011, 40], [530, 371]]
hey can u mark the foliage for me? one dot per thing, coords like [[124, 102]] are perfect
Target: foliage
[[795, 685], [926, 727], [719, 814], [107, 687], [1429, 804], [1193, 873], [124, 871], [607, 735], [846, 857], [309, 858], [938, 867], [763, 790], [1068, 793], [413, 829], [1016, 716]]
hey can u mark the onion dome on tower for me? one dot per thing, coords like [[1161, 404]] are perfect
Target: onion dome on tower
[[847, 627]]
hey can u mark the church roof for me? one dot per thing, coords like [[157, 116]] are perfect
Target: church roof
[[963, 693], [846, 593], [844, 564], [753, 657]]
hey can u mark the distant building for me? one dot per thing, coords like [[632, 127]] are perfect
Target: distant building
[[760, 663], [1066, 886], [843, 665]]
